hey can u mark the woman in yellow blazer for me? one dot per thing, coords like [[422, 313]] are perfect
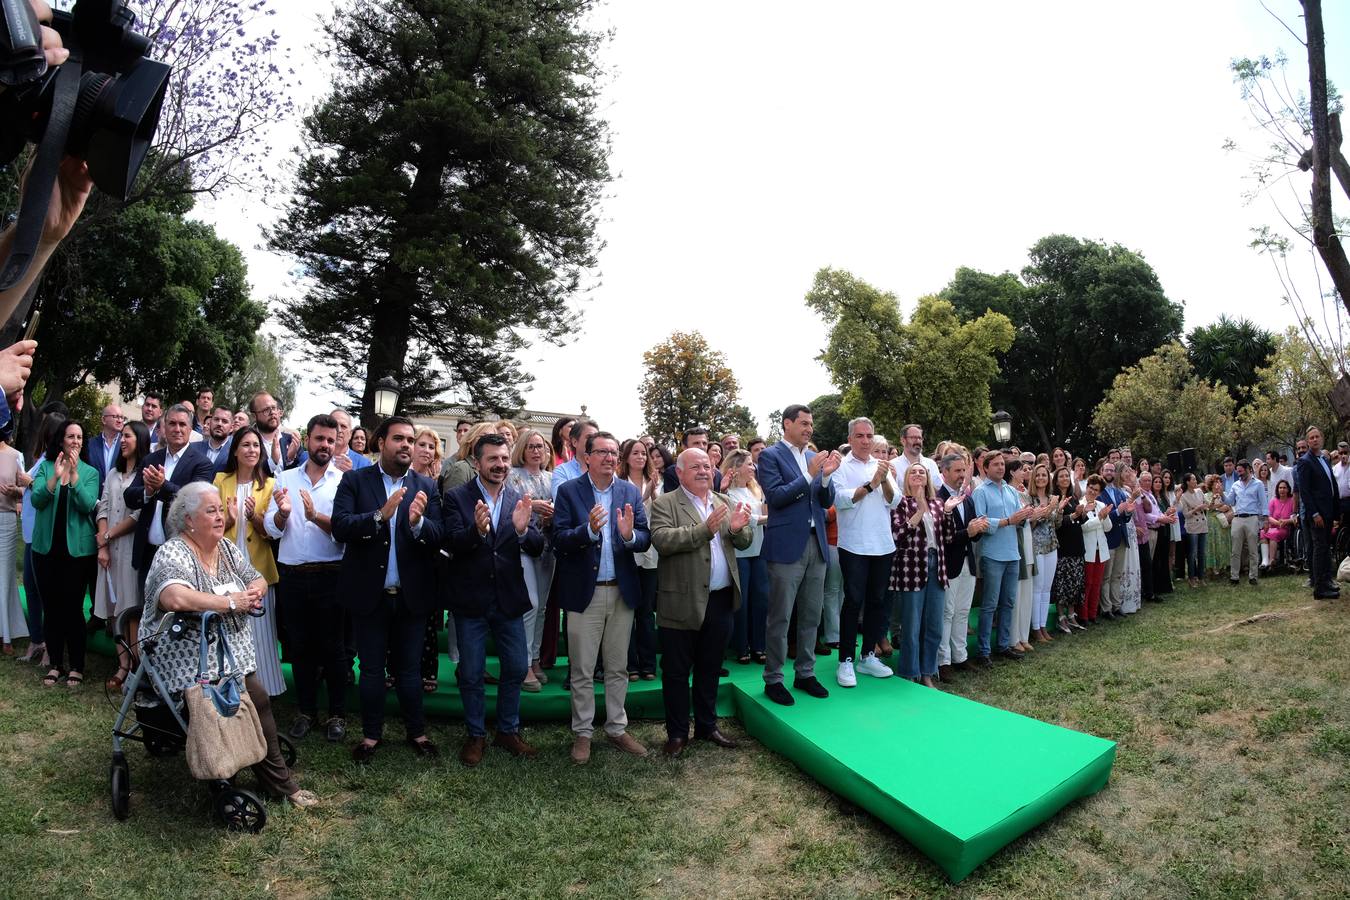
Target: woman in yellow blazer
[[245, 489]]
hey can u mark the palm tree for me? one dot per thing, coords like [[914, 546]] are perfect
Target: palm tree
[[1229, 352]]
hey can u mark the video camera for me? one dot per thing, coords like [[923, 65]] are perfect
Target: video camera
[[102, 105]]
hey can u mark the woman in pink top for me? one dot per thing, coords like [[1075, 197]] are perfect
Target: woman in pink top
[[1278, 525]]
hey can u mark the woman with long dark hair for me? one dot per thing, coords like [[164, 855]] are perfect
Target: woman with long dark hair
[[1162, 546], [118, 587], [634, 465], [562, 450], [1067, 588], [65, 493]]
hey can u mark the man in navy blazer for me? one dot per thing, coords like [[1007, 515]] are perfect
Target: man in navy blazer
[[390, 519], [963, 565], [598, 524], [487, 527], [104, 449], [796, 484], [1319, 502], [156, 482]]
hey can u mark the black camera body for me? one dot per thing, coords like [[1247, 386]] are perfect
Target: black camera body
[[102, 105]]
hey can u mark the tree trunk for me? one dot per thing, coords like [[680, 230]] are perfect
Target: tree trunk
[[1324, 227]]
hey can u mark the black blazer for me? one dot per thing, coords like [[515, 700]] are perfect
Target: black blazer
[[961, 551], [486, 570], [1316, 492], [365, 559], [194, 466]]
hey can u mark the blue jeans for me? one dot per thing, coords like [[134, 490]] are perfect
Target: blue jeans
[[747, 634], [32, 597], [1195, 555], [921, 617], [509, 633], [1000, 591]]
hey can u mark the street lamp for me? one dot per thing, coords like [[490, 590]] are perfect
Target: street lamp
[[386, 396], [1002, 428]]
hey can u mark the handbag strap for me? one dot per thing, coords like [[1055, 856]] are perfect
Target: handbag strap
[[223, 651]]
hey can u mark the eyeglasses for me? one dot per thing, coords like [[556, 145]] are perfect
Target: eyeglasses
[[114, 416], [267, 409], [603, 452]]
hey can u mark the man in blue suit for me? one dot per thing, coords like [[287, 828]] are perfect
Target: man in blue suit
[[796, 484], [156, 482], [390, 519], [487, 527], [1113, 580], [598, 524], [219, 427], [103, 449], [1319, 501]]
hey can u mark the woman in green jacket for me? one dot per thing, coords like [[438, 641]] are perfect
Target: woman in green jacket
[[65, 492]]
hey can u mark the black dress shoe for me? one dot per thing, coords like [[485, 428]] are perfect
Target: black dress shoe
[[364, 753], [335, 730], [723, 672], [675, 746], [1233, 582], [717, 737], [811, 685], [945, 673], [982, 662], [779, 694], [424, 748], [1010, 653]]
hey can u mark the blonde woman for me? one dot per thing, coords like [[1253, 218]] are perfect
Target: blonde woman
[[1049, 509], [507, 429], [747, 639], [427, 453], [426, 460], [532, 474], [922, 526]]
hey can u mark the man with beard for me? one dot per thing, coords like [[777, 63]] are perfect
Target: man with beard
[[390, 519], [219, 428], [281, 447], [308, 617], [1122, 512], [911, 436], [487, 526]]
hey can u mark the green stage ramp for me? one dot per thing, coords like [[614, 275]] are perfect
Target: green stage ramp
[[882, 745]]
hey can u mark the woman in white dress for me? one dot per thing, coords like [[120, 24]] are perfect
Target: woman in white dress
[[246, 490], [1131, 587], [118, 588], [12, 623]]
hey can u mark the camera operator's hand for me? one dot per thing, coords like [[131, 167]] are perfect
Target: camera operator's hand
[[16, 364], [51, 38], [69, 195]]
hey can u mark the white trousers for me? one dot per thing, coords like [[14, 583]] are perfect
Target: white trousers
[[956, 618]]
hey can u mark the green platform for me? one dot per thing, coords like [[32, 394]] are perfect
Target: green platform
[[889, 746]]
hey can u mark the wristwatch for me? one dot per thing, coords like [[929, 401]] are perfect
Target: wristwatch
[[379, 516], [868, 487], [230, 598]]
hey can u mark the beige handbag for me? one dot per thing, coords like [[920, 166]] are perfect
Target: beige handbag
[[224, 733]]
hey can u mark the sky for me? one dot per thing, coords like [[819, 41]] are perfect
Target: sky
[[754, 143]]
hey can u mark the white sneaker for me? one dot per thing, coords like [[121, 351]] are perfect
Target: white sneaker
[[874, 667], [844, 674]]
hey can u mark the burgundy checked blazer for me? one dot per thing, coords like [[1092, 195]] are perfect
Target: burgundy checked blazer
[[909, 569]]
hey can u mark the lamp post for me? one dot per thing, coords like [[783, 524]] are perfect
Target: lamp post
[[386, 396], [1002, 428]]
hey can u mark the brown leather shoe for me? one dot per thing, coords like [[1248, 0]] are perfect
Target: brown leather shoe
[[581, 750], [675, 746], [514, 744], [717, 737], [945, 672], [628, 744], [471, 754]]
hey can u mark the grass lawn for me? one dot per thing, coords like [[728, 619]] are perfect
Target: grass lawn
[[1232, 779]]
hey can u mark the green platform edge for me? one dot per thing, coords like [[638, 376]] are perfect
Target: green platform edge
[[878, 745]]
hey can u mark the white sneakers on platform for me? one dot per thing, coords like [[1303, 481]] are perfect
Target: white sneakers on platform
[[844, 674], [874, 667]]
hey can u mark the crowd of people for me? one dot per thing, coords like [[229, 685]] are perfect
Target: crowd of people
[[356, 544]]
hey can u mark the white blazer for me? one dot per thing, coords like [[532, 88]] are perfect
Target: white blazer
[[1095, 548]]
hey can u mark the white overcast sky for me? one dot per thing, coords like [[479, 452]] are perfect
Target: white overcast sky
[[755, 142]]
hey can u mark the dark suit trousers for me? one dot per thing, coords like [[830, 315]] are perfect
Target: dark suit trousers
[[311, 625], [390, 632], [1323, 578], [699, 652]]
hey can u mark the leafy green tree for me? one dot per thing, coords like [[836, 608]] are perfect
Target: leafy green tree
[[1083, 311], [263, 369], [686, 384], [831, 425], [1160, 406], [1230, 351], [934, 369], [1288, 395], [445, 207]]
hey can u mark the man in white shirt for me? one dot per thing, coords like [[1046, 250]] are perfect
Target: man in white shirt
[[308, 560], [864, 495], [911, 437]]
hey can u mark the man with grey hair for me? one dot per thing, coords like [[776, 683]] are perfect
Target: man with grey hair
[[911, 443], [864, 495], [157, 481]]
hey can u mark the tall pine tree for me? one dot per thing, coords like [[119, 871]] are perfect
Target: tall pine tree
[[445, 207]]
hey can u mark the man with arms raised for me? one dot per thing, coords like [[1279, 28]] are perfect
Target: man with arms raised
[[796, 484], [281, 447], [696, 534]]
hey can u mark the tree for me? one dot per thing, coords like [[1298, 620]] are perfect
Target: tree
[[831, 425], [263, 369], [1288, 395], [1159, 406], [775, 427], [686, 384], [445, 206], [1083, 311], [934, 370], [157, 301], [1230, 351]]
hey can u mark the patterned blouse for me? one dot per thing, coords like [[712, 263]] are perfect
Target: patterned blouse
[[909, 568], [1044, 539], [177, 658]]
